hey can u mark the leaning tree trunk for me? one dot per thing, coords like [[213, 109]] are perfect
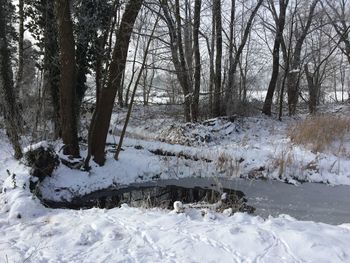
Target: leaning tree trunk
[[6, 75], [67, 78], [104, 107], [272, 86]]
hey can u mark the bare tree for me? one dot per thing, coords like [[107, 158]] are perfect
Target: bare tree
[[293, 75], [337, 15], [174, 24], [280, 23], [143, 65], [318, 67], [234, 60]]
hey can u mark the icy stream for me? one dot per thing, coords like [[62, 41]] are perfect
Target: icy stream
[[308, 201]]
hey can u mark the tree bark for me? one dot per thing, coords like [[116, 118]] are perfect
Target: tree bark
[[218, 59], [188, 38], [19, 76], [231, 70], [211, 51], [67, 79], [184, 67], [51, 63], [6, 76], [105, 104], [312, 90], [197, 60]]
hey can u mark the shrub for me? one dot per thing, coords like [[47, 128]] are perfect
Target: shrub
[[42, 161]]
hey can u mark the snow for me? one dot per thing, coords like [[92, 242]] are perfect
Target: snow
[[294, 70], [32, 147], [250, 147], [137, 235], [245, 148]]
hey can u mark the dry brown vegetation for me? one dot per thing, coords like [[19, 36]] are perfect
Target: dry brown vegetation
[[321, 133]]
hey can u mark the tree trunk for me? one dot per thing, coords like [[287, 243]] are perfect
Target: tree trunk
[[19, 76], [293, 90], [188, 38], [67, 79], [197, 60], [51, 63], [82, 69], [6, 80], [183, 67], [211, 51], [230, 89], [274, 77], [218, 59], [105, 105], [312, 90]]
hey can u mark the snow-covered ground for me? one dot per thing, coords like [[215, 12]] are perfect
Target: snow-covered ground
[[32, 233], [161, 147], [135, 235]]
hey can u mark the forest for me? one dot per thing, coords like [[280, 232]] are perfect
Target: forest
[[173, 131]]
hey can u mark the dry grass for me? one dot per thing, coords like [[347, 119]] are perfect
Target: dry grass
[[283, 160], [321, 133], [228, 165]]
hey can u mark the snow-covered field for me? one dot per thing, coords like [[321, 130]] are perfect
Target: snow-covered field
[[161, 147]]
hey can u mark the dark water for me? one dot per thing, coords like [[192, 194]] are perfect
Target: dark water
[[161, 195], [308, 201]]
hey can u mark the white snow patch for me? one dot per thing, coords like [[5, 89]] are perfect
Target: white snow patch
[[35, 146]]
